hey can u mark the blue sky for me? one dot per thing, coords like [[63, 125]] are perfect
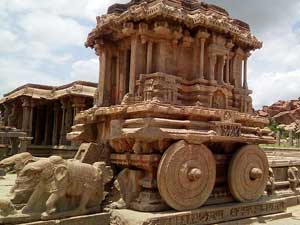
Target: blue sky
[[42, 41]]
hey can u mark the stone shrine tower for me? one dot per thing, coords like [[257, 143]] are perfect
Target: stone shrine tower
[[182, 52], [173, 110]]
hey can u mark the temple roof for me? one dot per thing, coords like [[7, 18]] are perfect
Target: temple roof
[[185, 4], [38, 91], [191, 13]]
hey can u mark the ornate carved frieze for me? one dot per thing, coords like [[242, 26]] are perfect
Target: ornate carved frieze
[[193, 14]]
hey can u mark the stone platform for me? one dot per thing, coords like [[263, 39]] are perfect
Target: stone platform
[[93, 219], [205, 215]]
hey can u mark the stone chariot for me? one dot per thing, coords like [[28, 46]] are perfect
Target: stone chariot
[[173, 105]]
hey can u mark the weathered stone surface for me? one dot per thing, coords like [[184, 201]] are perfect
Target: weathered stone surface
[[186, 175], [127, 183], [16, 163], [45, 113], [248, 173], [90, 153], [205, 215], [63, 188], [173, 104]]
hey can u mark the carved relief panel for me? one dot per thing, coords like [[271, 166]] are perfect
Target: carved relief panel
[[219, 100]]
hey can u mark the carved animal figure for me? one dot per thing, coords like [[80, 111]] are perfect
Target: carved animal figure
[[128, 188], [17, 163], [293, 177], [80, 186]]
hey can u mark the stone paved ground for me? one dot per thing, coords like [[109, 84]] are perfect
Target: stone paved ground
[[6, 184], [294, 220]]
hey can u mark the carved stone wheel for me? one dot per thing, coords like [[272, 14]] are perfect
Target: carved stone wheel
[[248, 173], [186, 175]]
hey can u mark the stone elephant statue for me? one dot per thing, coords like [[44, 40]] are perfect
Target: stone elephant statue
[[17, 163], [66, 187]]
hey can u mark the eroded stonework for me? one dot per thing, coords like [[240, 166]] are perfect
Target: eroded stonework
[[173, 103], [64, 187], [16, 163], [46, 114]]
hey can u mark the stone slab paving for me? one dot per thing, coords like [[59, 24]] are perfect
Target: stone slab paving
[[294, 218], [291, 217]]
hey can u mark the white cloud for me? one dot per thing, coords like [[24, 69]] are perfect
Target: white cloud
[[85, 70], [270, 87], [16, 73], [87, 9], [41, 53], [52, 30], [9, 42]]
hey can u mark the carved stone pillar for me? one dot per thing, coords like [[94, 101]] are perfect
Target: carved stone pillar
[[227, 76], [78, 105], [102, 53], [212, 64], [122, 75], [125, 73], [133, 64], [55, 123], [237, 67], [12, 116], [68, 121], [14, 145], [196, 59], [47, 126], [210, 99], [118, 61], [245, 83], [32, 105], [221, 64], [231, 68], [202, 36], [37, 126], [26, 115], [62, 139], [7, 111], [19, 116], [149, 56], [102, 62], [24, 142]]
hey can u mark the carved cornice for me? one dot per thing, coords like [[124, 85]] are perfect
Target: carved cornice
[[191, 13]]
